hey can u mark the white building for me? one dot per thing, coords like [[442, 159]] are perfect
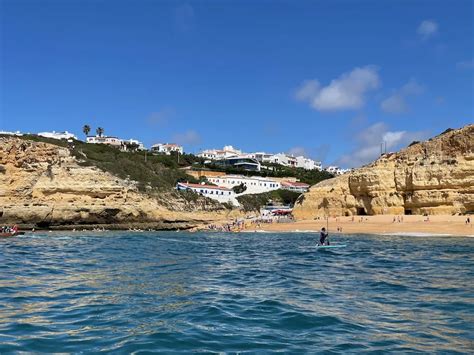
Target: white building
[[167, 148], [336, 170], [254, 184], [261, 156], [283, 159], [112, 141], [216, 154], [57, 135], [307, 163], [218, 193], [8, 133], [295, 186], [135, 142]]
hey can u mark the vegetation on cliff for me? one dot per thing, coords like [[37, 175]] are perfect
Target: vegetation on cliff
[[310, 177], [152, 172], [254, 202]]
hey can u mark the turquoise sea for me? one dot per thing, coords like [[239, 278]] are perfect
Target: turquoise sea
[[179, 292]]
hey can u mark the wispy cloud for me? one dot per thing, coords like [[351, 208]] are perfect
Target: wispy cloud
[[298, 151], [397, 102], [427, 29], [189, 137], [318, 153], [347, 92], [160, 118], [466, 64], [368, 143], [184, 17]]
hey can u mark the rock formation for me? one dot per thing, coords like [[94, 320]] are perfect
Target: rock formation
[[43, 185], [433, 177]]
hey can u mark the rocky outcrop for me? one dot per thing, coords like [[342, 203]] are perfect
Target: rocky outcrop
[[44, 185], [434, 177]]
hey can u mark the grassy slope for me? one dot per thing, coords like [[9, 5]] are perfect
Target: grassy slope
[[158, 173]]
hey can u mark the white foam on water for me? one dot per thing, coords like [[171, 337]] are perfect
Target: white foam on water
[[423, 234]]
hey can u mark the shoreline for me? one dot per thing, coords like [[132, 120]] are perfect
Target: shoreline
[[414, 225], [437, 225]]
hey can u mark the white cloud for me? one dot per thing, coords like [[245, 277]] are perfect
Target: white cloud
[[187, 138], [369, 141], [427, 28], [344, 93], [161, 117], [298, 151], [396, 103], [467, 64]]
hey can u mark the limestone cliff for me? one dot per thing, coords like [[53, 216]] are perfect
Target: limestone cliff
[[44, 185], [434, 177]]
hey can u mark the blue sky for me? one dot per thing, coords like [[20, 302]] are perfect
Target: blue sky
[[330, 79]]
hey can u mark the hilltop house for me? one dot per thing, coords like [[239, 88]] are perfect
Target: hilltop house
[[216, 154], [108, 140], [239, 162], [295, 186], [167, 148], [336, 170], [57, 135], [8, 133], [126, 144]]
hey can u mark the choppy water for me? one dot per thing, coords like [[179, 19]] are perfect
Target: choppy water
[[181, 292]]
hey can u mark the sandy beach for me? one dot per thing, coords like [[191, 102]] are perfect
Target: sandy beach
[[383, 224]]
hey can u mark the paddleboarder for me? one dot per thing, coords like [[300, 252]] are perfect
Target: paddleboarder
[[323, 237]]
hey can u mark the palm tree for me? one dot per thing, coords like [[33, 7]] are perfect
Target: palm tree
[[86, 129], [99, 131]]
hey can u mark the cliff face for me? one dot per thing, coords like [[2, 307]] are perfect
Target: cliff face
[[434, 177], [42, 184]]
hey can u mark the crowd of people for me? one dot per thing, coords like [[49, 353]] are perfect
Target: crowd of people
[[9, 229]]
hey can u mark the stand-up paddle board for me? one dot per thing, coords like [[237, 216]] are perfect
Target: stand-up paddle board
[[331, 246]]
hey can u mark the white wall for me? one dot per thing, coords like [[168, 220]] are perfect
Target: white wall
[[254, 185], [223, 196]]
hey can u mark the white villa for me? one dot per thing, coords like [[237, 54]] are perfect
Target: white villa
[[8, 133], [221, 194], [58, 135], [283, 159], [307, 163], [109, 140], [295, 186], [167, 148], [336, 170], [139, 144], [254, 184], [216, 154], [261, 156]]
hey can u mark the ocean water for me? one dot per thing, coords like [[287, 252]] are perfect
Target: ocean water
[[257, 292]]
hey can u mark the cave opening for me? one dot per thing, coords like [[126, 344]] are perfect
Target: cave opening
[[408, 212], [361, 211]]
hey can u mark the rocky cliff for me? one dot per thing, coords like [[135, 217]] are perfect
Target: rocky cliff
[[434, 177], [43, 185]]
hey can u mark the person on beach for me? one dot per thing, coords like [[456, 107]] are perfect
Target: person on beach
[[323, 237]]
